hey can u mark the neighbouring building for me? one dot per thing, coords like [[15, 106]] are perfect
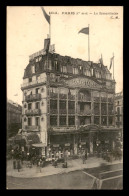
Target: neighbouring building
[[119, 109], [14, 118], [69, 104]]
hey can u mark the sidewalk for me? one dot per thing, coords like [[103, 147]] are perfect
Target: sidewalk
[[73, 165]]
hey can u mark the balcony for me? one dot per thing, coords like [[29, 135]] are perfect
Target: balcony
[[33, 112], [71, 111], [96, 99], [63, 96], [63, 111], [53, 95], [32, 128], [34, 97], [84, 112], [35, 82], [71, 97], [53, 111], [83, 98]]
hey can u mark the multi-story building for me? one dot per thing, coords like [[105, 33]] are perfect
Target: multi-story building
[[14, 118], [69, 103], [119, 109]]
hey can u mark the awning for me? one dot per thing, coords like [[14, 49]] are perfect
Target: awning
[[40, 145]]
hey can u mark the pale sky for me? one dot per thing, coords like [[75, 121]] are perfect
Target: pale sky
[[27, 28]]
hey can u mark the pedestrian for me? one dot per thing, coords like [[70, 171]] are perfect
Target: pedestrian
[[14, 164], [18, 165], [55, 163], [83, 157], [86, 155], [39, 165], [12, 153]]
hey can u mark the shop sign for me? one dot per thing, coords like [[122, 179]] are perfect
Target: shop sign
[[55, 145], [68, 144], [83, 82]]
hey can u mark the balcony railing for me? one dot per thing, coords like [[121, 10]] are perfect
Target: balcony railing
[[42, 80], [103, 99], [53, 95], [63, 96], [32, 128], [71, 111], [63, 111], [84, 112], [53, 111], [33, 112], [83, 98], [96, 99], [71, 97], [34, 97]]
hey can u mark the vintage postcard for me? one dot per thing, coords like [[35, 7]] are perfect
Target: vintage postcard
[[64, 97]]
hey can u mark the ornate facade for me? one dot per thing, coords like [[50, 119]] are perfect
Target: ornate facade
[[69, 103]]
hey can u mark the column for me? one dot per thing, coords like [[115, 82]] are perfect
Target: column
[[92, 108], [107, 112], [100, 108], [76, 108], [58, 100], [67, 110], [91, 143], [74, 145], [114, 119]]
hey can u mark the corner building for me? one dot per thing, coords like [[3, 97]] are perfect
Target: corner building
[[69, 104]]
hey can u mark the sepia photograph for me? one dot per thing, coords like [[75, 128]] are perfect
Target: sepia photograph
[[64, 97]]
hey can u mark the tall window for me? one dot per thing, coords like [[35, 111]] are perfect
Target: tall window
[[82, 106], [71, 105], [96, 108], [37, 121], [29, 121], [29, 106], [110, 120], [103, 108], [62, 104], [96, 120], [71, 120], [53, 120], [37, 90], [104, 120], [37, 105], [62, 120], [53, 104]]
